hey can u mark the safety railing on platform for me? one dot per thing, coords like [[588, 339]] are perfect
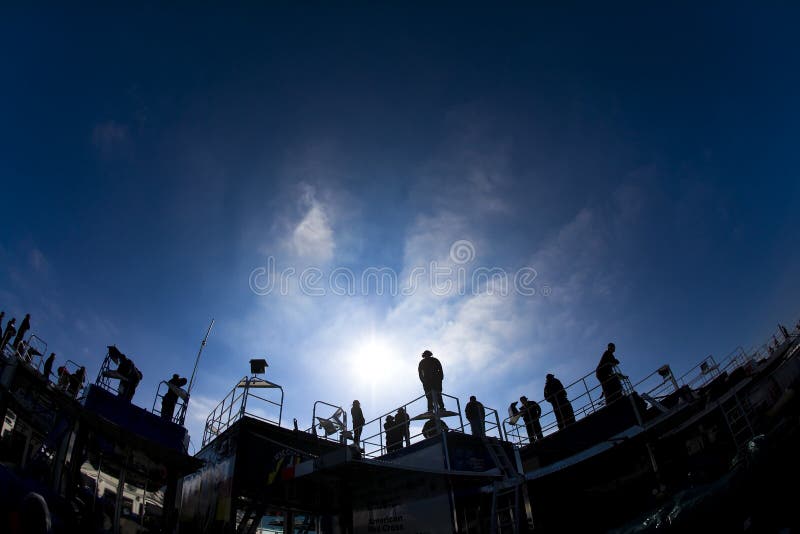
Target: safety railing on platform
[[175, 405], [108, 378], [31, 350], [334, 427], [374, 441], [589, 399], [243, 401]]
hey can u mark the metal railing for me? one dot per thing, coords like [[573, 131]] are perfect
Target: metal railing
[[373, 435], [235, 406], [339, 425], [181, 404], [589, 399]]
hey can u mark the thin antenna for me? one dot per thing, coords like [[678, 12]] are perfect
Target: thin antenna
[[199, 352]]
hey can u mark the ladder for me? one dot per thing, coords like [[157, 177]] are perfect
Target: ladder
[[736, 414], [506, 493]]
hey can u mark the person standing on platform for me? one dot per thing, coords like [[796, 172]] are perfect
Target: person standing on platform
[[48, 366], [476, 415], [24, 326], [556, 395], [531, 412], [404, 422], [358, 422], [394, 440], [10, 331], [170, 398], [76, 381], [607, 375], [431, 375]]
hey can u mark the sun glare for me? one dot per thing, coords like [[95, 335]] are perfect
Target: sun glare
[[373, 360]]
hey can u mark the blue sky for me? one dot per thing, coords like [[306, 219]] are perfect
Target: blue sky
[[641, 160]]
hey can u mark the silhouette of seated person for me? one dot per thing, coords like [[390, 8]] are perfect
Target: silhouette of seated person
[[430, 429], [170, 398]]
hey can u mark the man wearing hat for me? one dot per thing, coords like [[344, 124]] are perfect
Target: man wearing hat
[[431, 376]]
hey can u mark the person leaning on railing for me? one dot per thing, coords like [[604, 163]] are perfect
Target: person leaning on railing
[[609, 380]]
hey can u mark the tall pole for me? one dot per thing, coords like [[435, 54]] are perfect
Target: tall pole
[[199, 352]]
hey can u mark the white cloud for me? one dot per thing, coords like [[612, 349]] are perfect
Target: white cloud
[[312, 238]]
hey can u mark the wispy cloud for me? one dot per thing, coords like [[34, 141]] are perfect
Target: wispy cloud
[[108, 136], [312, 238]]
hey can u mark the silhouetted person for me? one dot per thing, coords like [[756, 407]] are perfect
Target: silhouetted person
[[358, 422], [784, 331], [132, 377], [170, 398], [430, 428], [48, 366], [63, 377], [608, 377], [556, 395], [404, 422], [76, 381], [431, 375], [394, 440], [10, 331], [476, 415], [2, 315], [24, 326], [531, 412]]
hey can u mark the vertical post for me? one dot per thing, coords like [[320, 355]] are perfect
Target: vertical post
[[199, 352], [120, 491], [588, 393]]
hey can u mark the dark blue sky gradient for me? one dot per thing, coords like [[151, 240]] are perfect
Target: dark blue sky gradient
[[151, 158]]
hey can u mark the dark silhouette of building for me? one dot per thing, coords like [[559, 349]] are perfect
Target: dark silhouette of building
[[431, 375], [24, 326], [607, 375], [402, 419], [170, 398], [556, 395], [476, 415], [531, 412], [358, 422]]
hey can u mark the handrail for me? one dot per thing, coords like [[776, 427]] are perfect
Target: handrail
[[223, 416], [586, 403], [179, 411], [373, 444], [342, 429]]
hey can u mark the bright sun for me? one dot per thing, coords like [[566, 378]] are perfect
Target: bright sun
[[373, 360]]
